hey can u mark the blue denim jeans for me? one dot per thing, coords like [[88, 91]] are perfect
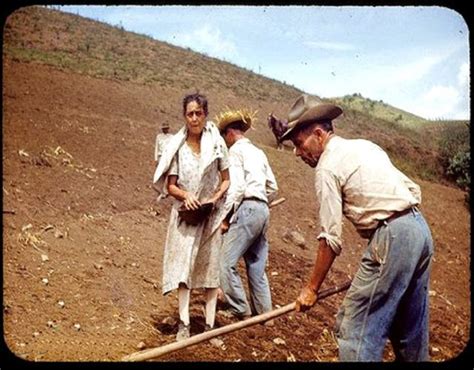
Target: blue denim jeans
[[246, 238], [388, 298]]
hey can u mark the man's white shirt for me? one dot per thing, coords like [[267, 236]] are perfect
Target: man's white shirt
[[250, 175]]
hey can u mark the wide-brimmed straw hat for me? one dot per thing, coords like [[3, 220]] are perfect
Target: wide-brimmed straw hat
[[308, 109], [165, 125], [245, 116]]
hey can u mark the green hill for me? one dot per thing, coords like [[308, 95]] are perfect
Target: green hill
[[380, 110], [70, 42]]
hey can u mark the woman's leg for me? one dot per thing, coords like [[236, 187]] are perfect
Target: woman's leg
[[211, 301], [183, 301]]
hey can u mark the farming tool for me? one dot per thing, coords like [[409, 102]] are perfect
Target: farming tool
[[175, 346]]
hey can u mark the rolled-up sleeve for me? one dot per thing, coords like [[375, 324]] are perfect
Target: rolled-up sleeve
[[328, 192]]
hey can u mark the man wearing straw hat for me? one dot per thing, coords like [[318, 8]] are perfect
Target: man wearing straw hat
[[161, 140], [252, 187], [388, 298]]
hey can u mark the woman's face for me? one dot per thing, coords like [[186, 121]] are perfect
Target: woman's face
[[195, 118]]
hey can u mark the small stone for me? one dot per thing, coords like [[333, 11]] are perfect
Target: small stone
[[44, 258], [219, 343], [432, 293], [141, 345], [279, 341], [35, 334], [274, 273], [77, 327], [294, 237], [435, 349], [45, 281], [26, 227], [58, 234], [61, 304]]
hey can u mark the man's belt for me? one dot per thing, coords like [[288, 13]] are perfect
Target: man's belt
[[255, 198], [399, 214], [368, 233]]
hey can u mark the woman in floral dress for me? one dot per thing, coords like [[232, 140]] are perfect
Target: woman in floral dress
[[194, 170]]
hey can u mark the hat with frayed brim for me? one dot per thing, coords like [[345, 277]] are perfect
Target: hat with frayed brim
[[308, 109], [246, 117]]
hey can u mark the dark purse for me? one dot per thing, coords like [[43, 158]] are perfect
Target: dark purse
[[195, 216]]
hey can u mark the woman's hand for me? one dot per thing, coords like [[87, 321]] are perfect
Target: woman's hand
[[191, 202]]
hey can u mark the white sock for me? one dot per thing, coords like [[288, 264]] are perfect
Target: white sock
[[183, 302], [211, 301]]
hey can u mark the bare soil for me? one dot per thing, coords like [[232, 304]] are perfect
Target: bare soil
[[83, 235]]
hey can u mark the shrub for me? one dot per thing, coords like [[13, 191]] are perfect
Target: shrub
[[458, 168], [455, 152]]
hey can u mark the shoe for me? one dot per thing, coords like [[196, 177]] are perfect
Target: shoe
[[230, 314], [183, 332], [216, 341]]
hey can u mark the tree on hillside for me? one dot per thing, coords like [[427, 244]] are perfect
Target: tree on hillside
[[455, 152]]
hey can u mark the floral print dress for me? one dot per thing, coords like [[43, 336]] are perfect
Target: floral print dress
[[191, 254]]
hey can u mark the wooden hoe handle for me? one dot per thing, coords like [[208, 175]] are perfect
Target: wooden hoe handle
[[175, 346]]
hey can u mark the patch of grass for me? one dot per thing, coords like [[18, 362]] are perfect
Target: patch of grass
[[89, 47], [380, 110]]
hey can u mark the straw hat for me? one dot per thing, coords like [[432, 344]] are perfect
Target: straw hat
[[245, 116], [307, 109], [165, 125]]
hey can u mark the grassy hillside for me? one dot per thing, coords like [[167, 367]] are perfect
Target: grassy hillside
[[380, 110], [94, 48], [69, 42]]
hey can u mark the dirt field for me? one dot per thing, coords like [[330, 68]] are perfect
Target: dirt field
[[83, 236]]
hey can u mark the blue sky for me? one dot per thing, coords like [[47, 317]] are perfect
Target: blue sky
[[415, 58]]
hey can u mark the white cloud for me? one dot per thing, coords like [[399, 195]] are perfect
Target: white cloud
[[412, 71], [207, 39], [333, 46], [463, 75], [440, 102]]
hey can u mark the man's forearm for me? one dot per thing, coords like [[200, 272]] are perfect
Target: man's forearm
[[323, 263]]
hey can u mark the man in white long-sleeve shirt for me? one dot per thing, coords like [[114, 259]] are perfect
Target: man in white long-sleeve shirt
[[388, 297], [252, 187]]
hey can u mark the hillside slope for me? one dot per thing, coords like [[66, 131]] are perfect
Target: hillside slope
[[83, 235], [91, 48]]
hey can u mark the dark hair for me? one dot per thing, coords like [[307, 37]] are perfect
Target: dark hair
[[237, 125], [198, 98], [326, 125]]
